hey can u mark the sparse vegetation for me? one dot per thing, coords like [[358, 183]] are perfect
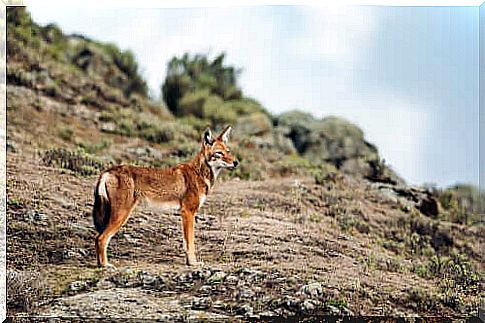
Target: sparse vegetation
[[77, 161], [25, 289], [461, 204], [66, 133], [314, 222]]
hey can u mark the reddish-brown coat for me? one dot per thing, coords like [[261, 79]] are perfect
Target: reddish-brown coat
[[184, 186]]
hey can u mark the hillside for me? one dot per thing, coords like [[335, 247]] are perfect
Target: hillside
[[313, 223]]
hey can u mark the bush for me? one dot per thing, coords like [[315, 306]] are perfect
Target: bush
[[19, 77], [93, 148], [77, 161], [461, 204], [198, 124], [189, 74], [246, 106], [219, 115], [24, 290], [204, 105], [20, 27], [65, 133], [293, 165], [255, 124], [116, 68], [168, 132], [126, 62], [192, 104]]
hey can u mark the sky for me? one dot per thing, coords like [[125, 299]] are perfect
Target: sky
[[408, 76]]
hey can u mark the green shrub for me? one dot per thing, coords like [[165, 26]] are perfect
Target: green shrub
[[193, 103], [25, 289], [93, 148], [255, 124], [126, 62], [196, 123], [77, 161], [292, 165], [220, 114], [461, 204], [19, 77], [65, 133], [245, 106], [421, 298], [189, 74], [325, 172], [20, 27]]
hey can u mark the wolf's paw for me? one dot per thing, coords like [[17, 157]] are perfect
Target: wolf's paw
[[192, 261], [195, 264]]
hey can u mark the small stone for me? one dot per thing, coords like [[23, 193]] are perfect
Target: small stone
[[128, 271], [312, 290], [231, 280], [201, 303], [184, 278], [201, 274], [146, 278], [205, 289], [245, 293], [267, 314], [35, 216], [292, 304], [219, 305], [217, 277], [11, 146], [333, 310], [347, 312], [248, 271], [333, 253], [109, 127], [68, 254], [344, 237], [77, 285], [291, 280], [166, 318], [245, 310], [307, 306], [29, 215]]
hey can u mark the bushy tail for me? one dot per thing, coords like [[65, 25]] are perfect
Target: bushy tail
[[102, 206]]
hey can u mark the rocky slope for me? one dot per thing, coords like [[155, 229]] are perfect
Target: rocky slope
[[282, 236]]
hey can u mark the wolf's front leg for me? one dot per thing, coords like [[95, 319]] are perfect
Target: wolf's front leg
[[188, 225]]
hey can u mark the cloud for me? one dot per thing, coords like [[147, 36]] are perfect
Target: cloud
[[158, 35], [325, 60], [335, 34]]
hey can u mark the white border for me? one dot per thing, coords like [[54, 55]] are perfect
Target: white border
[[3, 168], [150, 4], [239, 3]]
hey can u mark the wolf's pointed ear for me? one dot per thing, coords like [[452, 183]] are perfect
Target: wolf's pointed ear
[[224, 136], [207, 137]]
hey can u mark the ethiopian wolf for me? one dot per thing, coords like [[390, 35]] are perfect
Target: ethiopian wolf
[[184, 186]]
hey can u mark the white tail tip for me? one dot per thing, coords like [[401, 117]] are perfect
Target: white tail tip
[[102, 186]]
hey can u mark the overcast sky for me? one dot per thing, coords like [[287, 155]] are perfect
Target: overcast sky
[[408, 76]]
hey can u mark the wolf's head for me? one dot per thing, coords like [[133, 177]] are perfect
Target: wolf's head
[[216, 151]]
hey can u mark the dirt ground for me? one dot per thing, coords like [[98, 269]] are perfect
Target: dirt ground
[[276, 247], [266, 251]]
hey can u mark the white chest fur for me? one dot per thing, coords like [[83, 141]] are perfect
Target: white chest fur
[[201, 200]]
